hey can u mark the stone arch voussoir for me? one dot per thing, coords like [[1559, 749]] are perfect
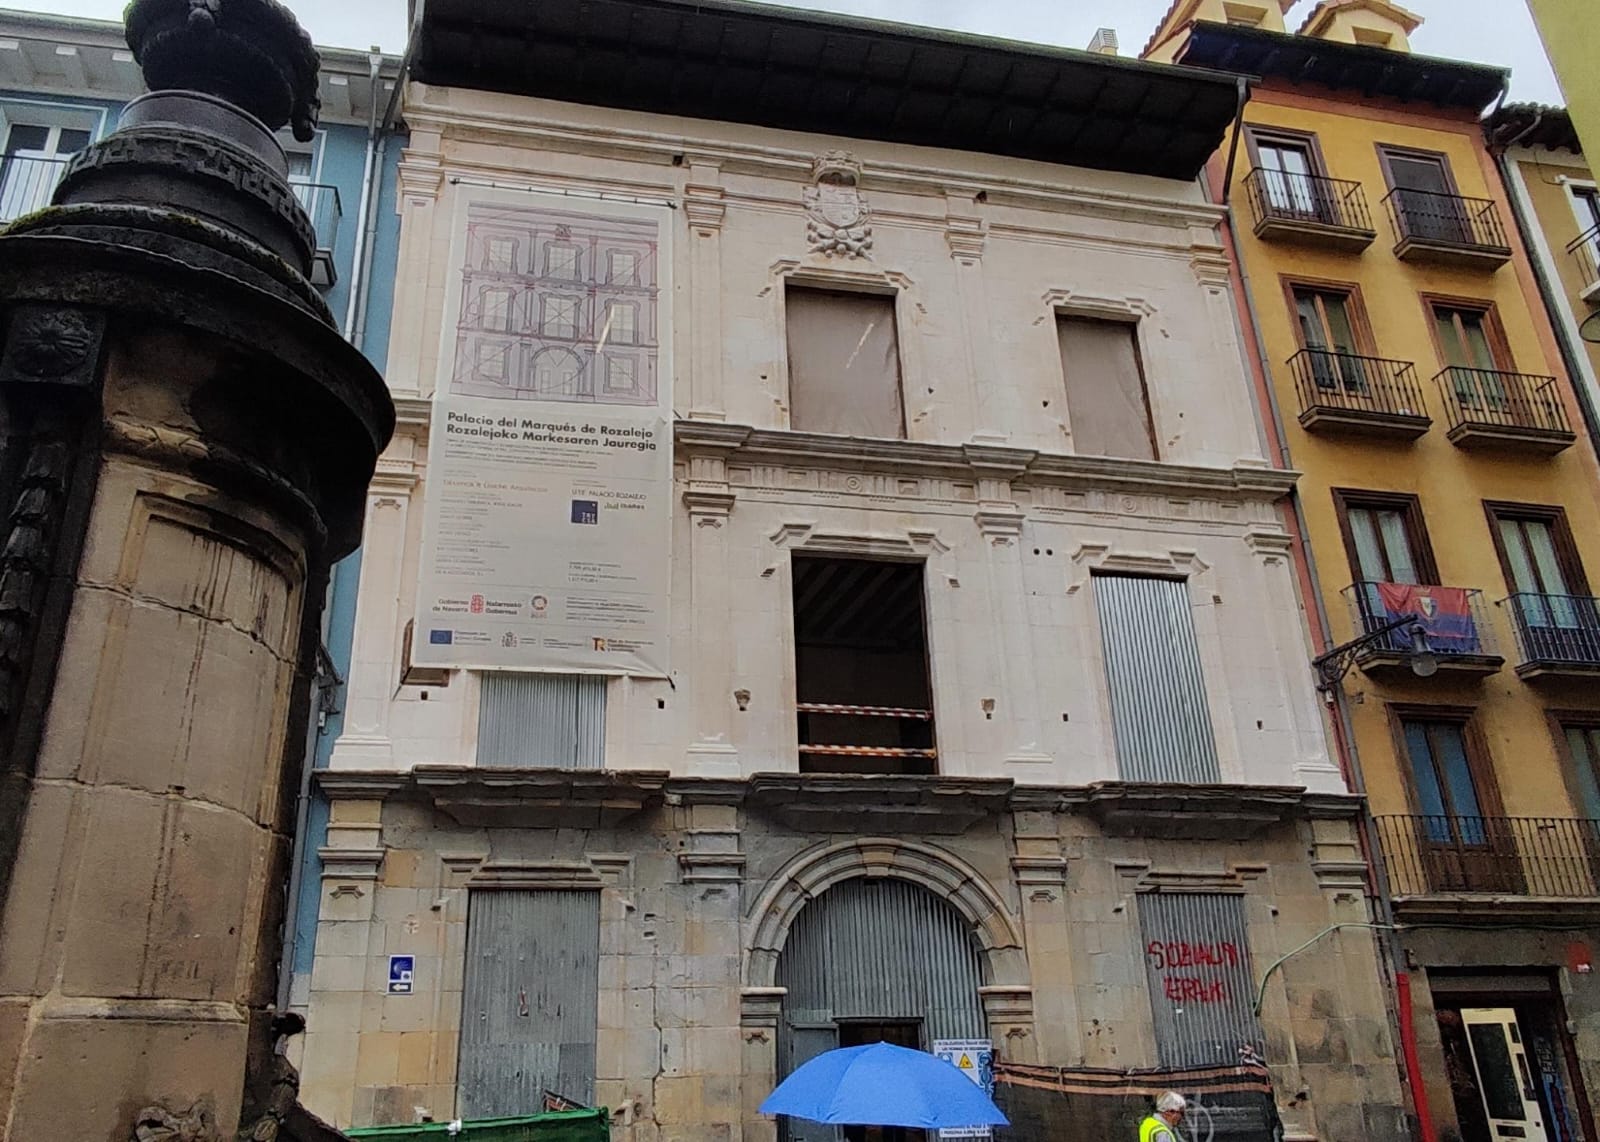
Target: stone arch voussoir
[[822, 866]]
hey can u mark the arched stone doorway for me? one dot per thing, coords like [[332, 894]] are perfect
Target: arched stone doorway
[[876, 937], [873, 960]]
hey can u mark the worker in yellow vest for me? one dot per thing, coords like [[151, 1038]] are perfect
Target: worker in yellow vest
[[1162, 1126]]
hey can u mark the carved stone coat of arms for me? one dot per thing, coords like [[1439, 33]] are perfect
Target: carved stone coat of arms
[[838, 220]]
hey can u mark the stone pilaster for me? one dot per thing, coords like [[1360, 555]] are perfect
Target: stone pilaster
[[380, 615], [704, 208], [1001, 521], [709, 499], [1039, 871]]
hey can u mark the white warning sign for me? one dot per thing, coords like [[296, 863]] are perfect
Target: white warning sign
[[975, 1059]]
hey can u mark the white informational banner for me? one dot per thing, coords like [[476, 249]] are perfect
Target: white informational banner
[[975, 1059], [548, 512]]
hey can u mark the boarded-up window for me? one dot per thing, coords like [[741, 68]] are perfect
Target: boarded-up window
[[542, 720], [1159, 716], [1202, 991], [530, 1005], [1106, 398], [844, 364]]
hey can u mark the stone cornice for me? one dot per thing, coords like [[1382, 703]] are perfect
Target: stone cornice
[[938, 803], [1024, 467], [536, 133]]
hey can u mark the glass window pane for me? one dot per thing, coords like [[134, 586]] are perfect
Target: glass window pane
[[24, 137], [1523, 577], [1397, 545], [1459, 788], [1369, 549], [1455, 353], [1430, 797], [1340, 329], [70, 141], [1311, 328], [1542, 542], [1584, 745], [1478, 340]]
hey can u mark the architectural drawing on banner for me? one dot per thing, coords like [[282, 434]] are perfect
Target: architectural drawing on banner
[[557, 305], [547, 517]]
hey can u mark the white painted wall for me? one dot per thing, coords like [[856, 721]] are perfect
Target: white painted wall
[[983, 252]]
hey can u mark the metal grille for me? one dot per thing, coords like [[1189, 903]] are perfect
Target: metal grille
[[875, 950], [884, 949], [542, 720], [531, 1005], [1202, 998], [1160, 720]]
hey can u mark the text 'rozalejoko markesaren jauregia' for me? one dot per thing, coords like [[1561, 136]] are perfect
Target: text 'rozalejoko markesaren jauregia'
[[462, 424]]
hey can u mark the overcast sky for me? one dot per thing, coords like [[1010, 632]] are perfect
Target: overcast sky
[[1484, 31]]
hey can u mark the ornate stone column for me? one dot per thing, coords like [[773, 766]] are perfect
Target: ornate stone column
[[185, 444]]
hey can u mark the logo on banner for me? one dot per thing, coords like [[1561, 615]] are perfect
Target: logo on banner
[[540, 605], [441, 637], [585, 511], [476, 606]]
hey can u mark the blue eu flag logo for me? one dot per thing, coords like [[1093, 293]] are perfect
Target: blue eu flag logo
[[441, 637], [585, 511]]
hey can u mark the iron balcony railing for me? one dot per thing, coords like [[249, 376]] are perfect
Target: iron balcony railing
[[1501, 856], [1454, 619], [1445, 219], [1500, 399], [1555, 629], [26, 184], [321, 204], [1282, 196], [1327, 379], [1585, 251]]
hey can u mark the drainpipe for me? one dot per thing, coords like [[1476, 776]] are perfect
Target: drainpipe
[[358, 259], [1568, 341], [1343, 731], [1233, 148], [385, 129], [324, 680]]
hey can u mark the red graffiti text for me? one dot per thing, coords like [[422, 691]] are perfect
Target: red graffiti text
[[1183, 954], [1192, 989]]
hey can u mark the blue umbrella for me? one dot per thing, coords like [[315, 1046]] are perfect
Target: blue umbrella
[[883, 1085]]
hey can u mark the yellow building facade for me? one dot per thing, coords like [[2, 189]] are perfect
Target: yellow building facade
[[1571, 36], [1556, 199], [1412, 373]]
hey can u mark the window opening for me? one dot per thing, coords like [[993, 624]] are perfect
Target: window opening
[[844, 363], [1107, 401], [861, 667], [1327, 327]]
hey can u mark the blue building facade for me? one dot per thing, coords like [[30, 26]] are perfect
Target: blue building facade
[[63, 84]]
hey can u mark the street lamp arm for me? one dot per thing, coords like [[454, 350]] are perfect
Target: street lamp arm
[[1332, 665]]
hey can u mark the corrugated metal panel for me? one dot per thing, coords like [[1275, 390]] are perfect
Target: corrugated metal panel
[[869, 950], [1160, 719], [1202, 988], [531, 1000], [883, 949], [542, 720]]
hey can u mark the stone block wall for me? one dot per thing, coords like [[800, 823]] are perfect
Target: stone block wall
[[695, 895]]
